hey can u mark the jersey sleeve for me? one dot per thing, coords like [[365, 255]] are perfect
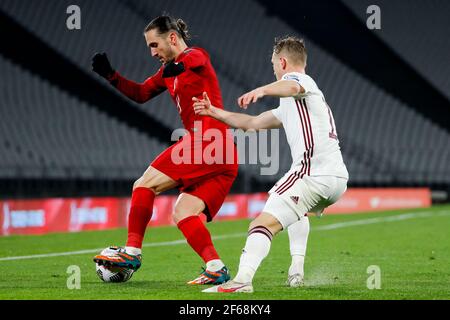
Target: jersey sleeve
[[194, 58], [139, 92], [305, 81]]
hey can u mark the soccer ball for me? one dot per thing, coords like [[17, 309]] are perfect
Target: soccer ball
[[113, 274]]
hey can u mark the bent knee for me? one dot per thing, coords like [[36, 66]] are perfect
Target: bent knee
[[256, 223], [178, 214], [177, 217], [155, 180], [139, 183], [187, 206], [267, 221]]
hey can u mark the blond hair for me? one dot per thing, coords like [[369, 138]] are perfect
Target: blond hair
[[293, 47]]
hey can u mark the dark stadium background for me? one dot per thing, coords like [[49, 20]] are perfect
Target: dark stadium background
[[64, 132], [71, 147]]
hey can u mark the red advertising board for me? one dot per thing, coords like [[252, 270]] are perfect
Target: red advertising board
[[78, 214], [364, 200]]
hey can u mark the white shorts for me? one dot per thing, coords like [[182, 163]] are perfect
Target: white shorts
[[293, 196]]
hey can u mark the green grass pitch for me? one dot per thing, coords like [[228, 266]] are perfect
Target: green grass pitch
[[411, 248]]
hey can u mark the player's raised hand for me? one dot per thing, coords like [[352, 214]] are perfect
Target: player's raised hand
[[250, 97], [101, 65], [203, 106]]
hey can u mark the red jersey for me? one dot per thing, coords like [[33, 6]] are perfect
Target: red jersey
[[199, 76], [208, 180]]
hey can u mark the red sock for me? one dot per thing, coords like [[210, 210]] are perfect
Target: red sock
[[198, 237], [140, 214]]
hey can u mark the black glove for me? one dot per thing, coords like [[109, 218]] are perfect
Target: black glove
[[101, 65], [172, 69]]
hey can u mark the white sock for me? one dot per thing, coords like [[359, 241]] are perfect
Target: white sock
[[214, 265], [298, 238], [297, 265], [256, 249], [134, 251]]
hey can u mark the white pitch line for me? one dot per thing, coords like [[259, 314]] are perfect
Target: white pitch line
[[405, 216], [333, 226], [154, 244]]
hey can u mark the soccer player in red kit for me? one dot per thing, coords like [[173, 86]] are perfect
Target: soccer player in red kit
[[186, 72]]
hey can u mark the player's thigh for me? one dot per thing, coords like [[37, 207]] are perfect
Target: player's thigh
[[187, 205], [283, 211], [155, 180], [213, 191], [324, 191], [339, 186]]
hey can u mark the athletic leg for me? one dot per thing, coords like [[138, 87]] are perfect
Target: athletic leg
[[186, 215], [298, 238], [152, 182], [277, 215], [257, 247]]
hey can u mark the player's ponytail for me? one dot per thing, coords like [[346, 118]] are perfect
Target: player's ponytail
[[166, 23], [183, 29]]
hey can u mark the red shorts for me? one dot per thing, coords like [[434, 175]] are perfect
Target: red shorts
[[208, 176]]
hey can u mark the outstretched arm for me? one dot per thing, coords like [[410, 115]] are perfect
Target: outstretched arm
[[139, 92], [281, 88], [265, 120]]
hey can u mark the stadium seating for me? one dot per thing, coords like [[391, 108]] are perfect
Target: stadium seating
[[45, 133], [418, 31], [384, 141], [384, 151]]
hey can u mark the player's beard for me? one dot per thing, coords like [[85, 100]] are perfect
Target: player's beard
[[170, 56]]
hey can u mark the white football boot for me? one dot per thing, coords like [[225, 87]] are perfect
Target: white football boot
[[231, 287], [295, 280]]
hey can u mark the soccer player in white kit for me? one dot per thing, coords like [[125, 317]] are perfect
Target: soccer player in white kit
[[318, 176]]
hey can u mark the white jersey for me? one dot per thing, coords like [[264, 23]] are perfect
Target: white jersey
[[310, 130]]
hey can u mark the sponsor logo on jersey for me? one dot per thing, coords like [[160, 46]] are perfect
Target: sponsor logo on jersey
[[292, 77], [295, 199]]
